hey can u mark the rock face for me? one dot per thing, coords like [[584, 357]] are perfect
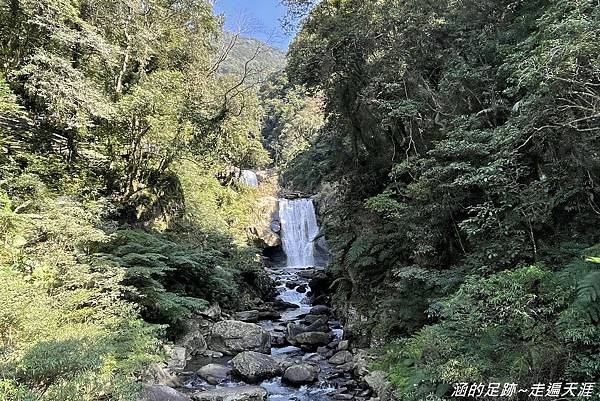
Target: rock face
[[214, 373], [246, 393], [301, 374], [161, 393], [232, 337], [265, 232], [253, 367]]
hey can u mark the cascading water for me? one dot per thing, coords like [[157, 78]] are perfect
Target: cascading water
[[249, 178], [305, 263], [298, 231]]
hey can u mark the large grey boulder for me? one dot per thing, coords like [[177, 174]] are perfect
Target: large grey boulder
[[253, 367], [214, 373], [301, 374], [232, 337], [161, 393], [246, 393], [312, 338]]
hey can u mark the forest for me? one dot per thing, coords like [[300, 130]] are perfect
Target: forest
[[451, 148]]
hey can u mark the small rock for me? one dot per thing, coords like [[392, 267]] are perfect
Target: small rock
[[343, 345]]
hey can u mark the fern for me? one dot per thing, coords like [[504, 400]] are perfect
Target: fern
[[589, 292]]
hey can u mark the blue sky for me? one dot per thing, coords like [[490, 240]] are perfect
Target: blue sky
[[259, 19]]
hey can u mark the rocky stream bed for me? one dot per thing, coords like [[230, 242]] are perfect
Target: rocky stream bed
[[290, 348]]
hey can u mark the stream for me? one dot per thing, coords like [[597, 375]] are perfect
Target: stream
[[292, 273]]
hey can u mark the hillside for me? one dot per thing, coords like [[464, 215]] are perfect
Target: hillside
[[262, 58]]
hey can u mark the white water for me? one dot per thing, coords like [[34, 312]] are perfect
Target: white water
[[298, 231], [249, 178]]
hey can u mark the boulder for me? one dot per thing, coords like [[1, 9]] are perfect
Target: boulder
[[246, 393], [320, 310], [343, 345], [194, 335], [232, 337], [177, 357], [301, 374], [161, 393], [378, 382], [312, 338], [249, 316], [253, 367], [280, 304], [341, 357], [214, 373], [213, 312], [160, 374]]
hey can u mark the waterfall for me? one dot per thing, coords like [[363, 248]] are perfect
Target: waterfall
[[249, 178], [298, 231]]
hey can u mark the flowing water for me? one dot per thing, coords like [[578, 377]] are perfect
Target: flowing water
[[299, 230], [249, 178]]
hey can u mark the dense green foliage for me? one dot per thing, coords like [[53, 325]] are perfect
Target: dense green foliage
[[461, 144], [114, 119], [293, 118]]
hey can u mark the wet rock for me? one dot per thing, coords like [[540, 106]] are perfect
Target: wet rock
[[308, 273], [343, 396], [312, 338], [253, 367], [246, 393], [301, 289], [282, 305], [214, 373], [161, 393], [320, 310], [269, 314], [232, 337], [249, 316], [301, 374], [319, 283], [278, 340]]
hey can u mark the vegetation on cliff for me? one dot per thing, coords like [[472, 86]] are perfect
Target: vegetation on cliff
[[458, 176]]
